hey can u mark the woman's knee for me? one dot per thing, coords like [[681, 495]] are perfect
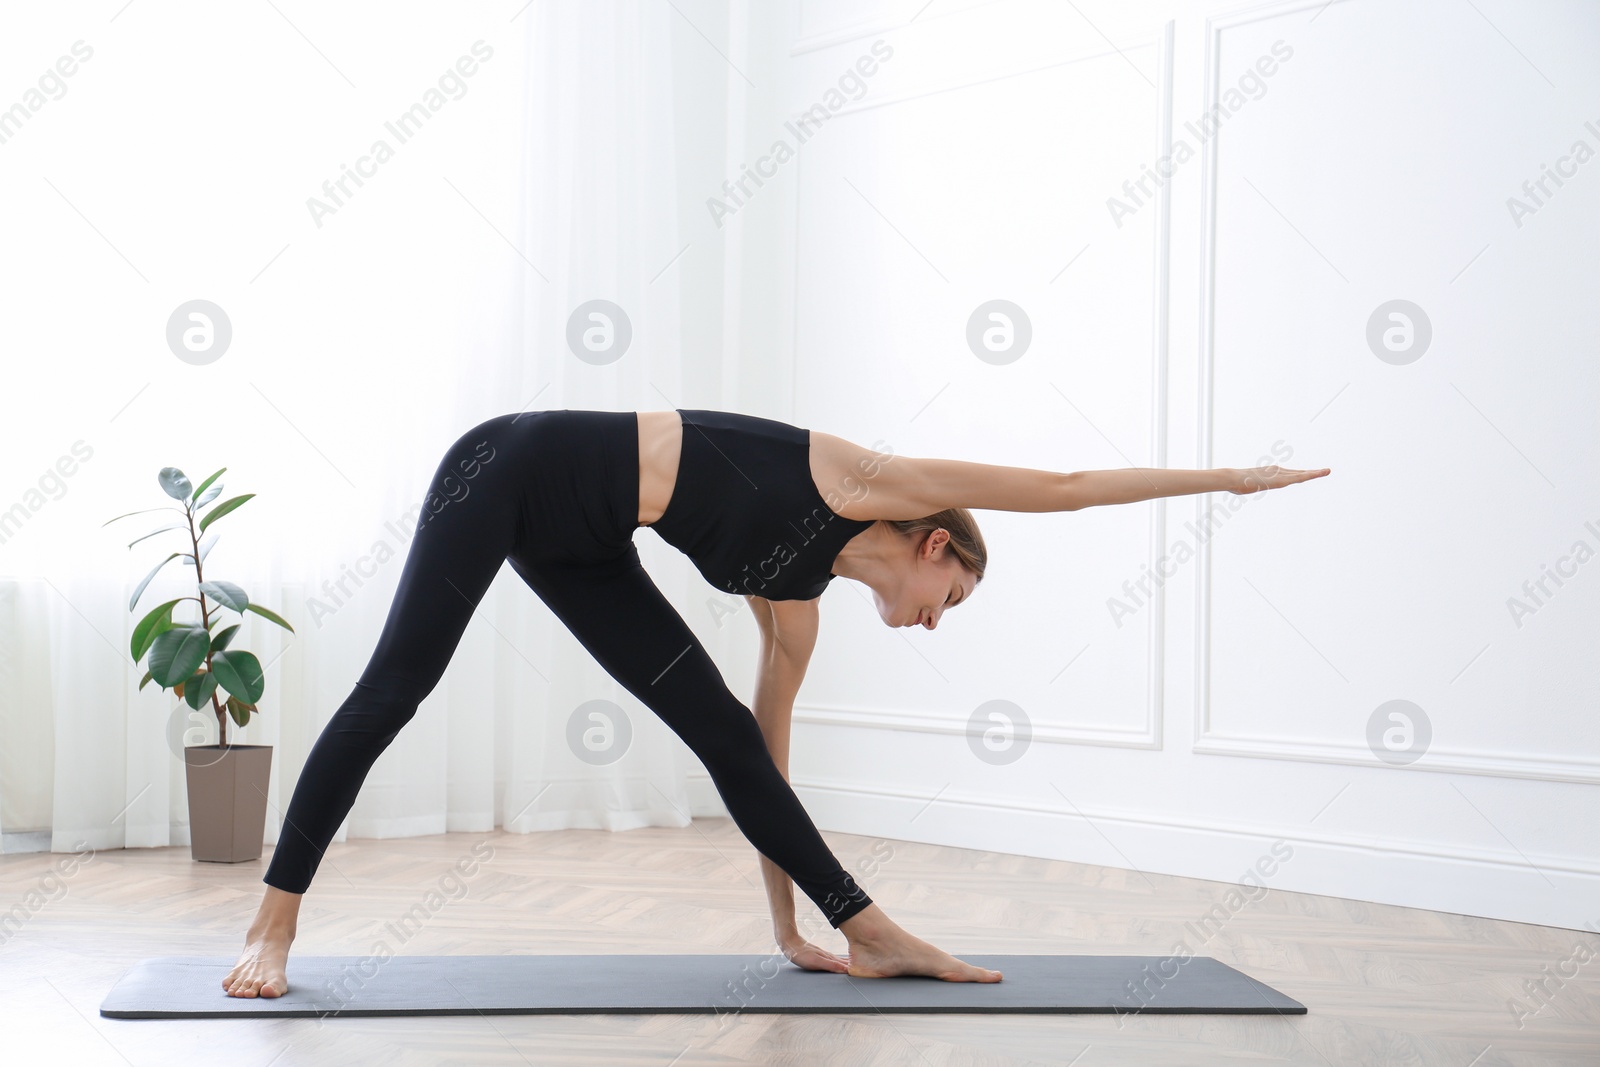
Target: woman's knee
[[382, 705], [733, 752]]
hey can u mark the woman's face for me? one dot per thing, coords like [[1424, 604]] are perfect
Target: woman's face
[[924, 584]]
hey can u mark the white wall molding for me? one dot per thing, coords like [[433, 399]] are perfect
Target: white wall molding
[[1150, 734], [1446, 761], [856, 718], [1208, 740]]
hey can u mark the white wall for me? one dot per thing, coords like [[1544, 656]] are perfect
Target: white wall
[[1228, 711], [1223, 323]]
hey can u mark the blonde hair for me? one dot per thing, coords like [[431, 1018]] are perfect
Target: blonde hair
[[965, 540]]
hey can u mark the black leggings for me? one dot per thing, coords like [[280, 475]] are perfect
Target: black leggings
[[554, 493]]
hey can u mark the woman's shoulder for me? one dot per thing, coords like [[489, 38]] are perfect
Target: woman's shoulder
[[848, 473]]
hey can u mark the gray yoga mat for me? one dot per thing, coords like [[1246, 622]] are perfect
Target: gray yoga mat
[[173, 987]]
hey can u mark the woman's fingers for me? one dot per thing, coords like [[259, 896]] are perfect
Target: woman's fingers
[[1257, 478], [816, 958]]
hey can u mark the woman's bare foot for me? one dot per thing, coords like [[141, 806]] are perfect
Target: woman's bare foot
[[881, 949], [262, 967]]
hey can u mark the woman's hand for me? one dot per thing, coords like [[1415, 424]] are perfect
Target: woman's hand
[[1255, 479], [804, 954]]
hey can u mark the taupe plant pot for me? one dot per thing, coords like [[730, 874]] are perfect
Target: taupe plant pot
[[227, 800]]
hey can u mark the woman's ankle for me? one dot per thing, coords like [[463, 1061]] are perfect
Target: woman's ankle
[[279, 914], [867, 925]]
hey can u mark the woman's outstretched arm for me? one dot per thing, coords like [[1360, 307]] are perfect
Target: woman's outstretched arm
[[1130, 484], [936, 484], [862, 483]]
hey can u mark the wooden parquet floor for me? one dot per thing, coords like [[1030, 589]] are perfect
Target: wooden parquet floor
[[1384, 985]]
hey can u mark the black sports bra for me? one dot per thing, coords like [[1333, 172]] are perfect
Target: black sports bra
[[746, 511]]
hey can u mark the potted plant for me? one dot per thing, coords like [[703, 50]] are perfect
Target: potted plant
[[197, 661]]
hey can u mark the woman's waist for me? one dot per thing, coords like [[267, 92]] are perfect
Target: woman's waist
[[581, 474]]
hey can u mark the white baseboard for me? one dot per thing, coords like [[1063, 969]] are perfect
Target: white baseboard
[[25, 841], [1545, 890]]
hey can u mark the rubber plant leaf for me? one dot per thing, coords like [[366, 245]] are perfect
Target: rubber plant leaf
[[177, 653], [270, 616], [142, 511], [203, 486], [226, 594], [222, 509], [137, 593], [175, 483], [198, 689], [163, 529], [205, 550], [221, 641], [157, 621], [240, 674]]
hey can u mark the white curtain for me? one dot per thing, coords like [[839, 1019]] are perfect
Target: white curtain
[[366, 338]]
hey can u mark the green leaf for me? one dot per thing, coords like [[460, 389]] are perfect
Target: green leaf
[[209, 495], [144, 511], [240, 674], [222, 509], [198, 689], [220, 642], [164, 529], [240, 711], [145, 680], [205, 550], [227, 594], [269, 616], [137, 593], [177, 653], [158, 621], [174, 482], [205, 484]]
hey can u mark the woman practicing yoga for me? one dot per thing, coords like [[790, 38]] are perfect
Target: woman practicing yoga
[[764, 510]]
